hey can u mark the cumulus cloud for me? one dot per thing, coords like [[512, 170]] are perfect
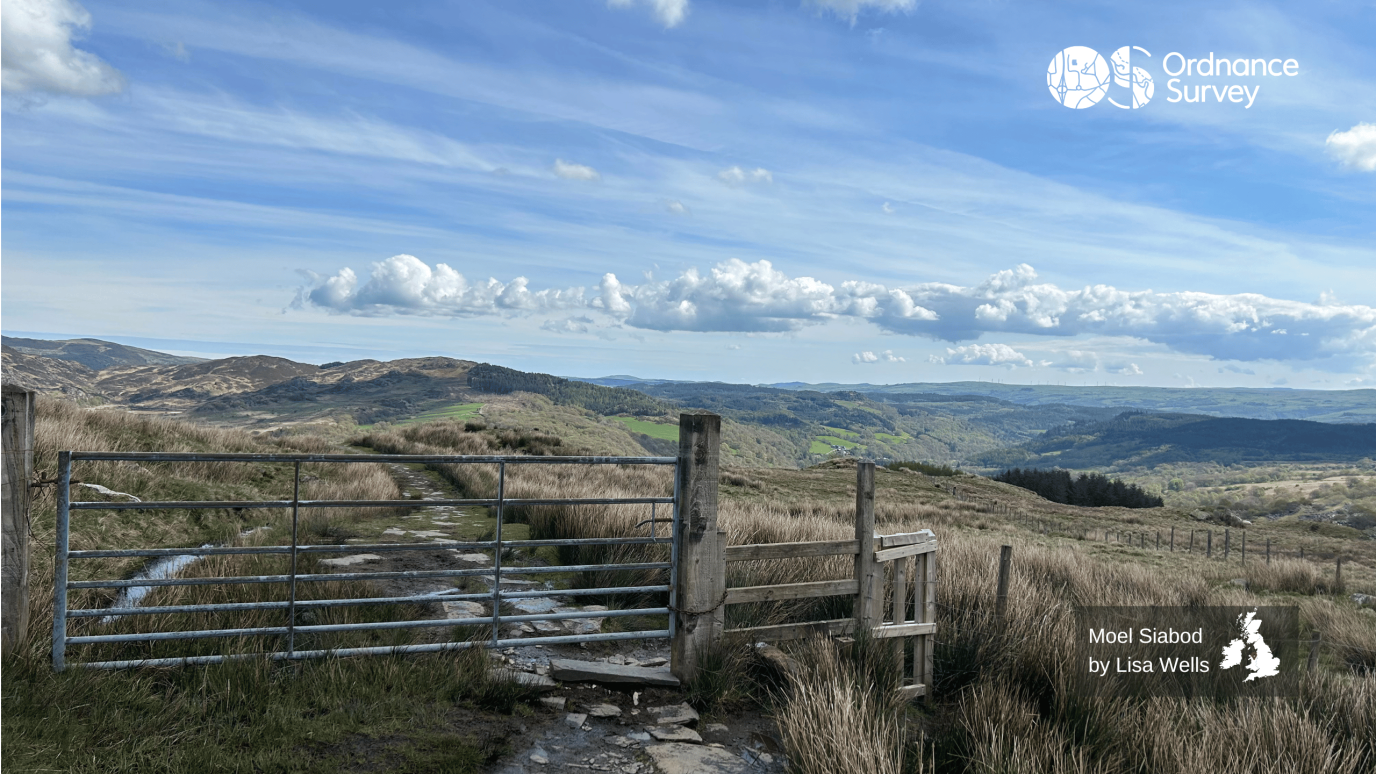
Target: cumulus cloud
[[676, 207], [887, 356], [1130, 369], [36, 52], [1355, 148], [850, 9], [570, 171], [888, 209], [670, 13], [403, 284], [984, 354], [755, 297], [737, 177]]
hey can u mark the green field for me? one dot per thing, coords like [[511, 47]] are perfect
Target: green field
[[890, 438], [456, 411], [652, 429], [841, 432], [822, 444]]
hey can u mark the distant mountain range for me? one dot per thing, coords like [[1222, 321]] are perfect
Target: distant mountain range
[[94, 353], [1137, 439], [971, 423]]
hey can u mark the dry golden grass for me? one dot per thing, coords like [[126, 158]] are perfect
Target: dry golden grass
[[64, 426]]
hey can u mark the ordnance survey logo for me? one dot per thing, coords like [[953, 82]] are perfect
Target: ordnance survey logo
[[1079, 77], [1178, 651]]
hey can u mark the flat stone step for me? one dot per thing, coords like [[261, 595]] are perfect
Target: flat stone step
[[678, 758], [571, 671]]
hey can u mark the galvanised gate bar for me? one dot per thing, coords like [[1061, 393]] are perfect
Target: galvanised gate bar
[[289, 607]]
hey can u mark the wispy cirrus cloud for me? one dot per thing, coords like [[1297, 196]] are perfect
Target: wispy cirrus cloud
[[670, 13], [735, 296]]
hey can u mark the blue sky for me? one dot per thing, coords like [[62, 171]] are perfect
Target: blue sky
[[837, 190]]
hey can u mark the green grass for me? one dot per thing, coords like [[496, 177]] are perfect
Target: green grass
[[438, 713], [456, 411], [890, 438], [831, 439], [841, 432], [653, 429]]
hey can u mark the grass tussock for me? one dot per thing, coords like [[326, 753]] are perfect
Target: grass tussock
[[839, 713]]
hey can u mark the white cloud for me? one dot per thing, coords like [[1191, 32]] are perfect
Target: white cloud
[[37, 52], [1130, 369], [670, 13], [676, 207], [1355, 148], [888, 209], [581, 324], [735, 296], [736, 177], [850, 9], [887, 356], [984, 354], [403, 284], [570, 171]]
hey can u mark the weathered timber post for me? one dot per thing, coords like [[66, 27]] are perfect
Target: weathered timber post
[[18, 411], [1314, 651], [1244, 548], [1158, 540], [1172, 539], [1268, 550], [1191, 548], [1001, 600], [1338, 578], [867, 611], [1227, 543], [1209, 552], [700, 576], [924, 610]]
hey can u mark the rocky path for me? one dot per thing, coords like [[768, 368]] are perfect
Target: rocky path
[[582, 726]]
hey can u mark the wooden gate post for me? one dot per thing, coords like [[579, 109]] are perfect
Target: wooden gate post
[[17, 432], [867, 611], [700, 576]]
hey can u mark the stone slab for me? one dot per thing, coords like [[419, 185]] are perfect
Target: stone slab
[[571, 671], [695, 759], [527, 679], [675, 734], [676, 715]]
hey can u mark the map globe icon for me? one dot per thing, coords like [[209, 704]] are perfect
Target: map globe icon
[[1078, 77]]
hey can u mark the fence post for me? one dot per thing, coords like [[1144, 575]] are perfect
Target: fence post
[[1172, 539], [1244, 548], [700, 577], [1268, 550], [1227, 543], [867, 611], [1190, 550], [1209, 552], [18, 416], [924, 609], [1001, 600], [1338, 578], [1314, 651]]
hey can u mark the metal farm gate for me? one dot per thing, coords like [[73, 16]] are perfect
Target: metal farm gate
[[291, 605]]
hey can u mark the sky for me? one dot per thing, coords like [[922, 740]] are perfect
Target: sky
[[854, 191]]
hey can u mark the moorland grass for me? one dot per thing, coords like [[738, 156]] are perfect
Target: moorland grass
[[433, 713]]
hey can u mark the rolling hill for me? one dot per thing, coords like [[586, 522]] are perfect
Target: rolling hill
[[1138, 439]]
